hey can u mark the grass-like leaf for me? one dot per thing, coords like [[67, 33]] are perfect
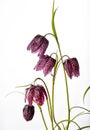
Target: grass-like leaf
[[53, 17], [79, 114], [84, 95], [71, 121], [84, 127], [78, 107]]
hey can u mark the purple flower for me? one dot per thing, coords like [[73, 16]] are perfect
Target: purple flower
[[28, 112], [72, 67], [45, 63], [38, 44], [35, 93]]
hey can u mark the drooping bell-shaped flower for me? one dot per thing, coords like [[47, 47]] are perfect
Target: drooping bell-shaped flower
[[72, 67], [38, 44], [45, 63], [28, 112], [36, 94]]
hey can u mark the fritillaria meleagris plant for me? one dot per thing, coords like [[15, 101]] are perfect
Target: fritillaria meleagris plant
[[39, 93]]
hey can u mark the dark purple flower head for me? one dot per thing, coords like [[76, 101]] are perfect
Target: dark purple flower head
[[38, 44], [28, 112], [45, 63], [72, 67], [35, 93]]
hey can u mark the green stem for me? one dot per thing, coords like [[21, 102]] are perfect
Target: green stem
[[59, 48], [43, 117], [53, 87], [52, 112], [57, 124], [48, 100], [53, 83]]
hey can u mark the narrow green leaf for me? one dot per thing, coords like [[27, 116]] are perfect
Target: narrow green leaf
[[76, 107], [85, 127], [53, 17], [13, 92], [71, 121], [23, 86], [79, 114], [53, 22], [84, 95]]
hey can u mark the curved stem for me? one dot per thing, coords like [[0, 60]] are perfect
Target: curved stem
[[43, 117], [62, 58], [55, 34], [49, 34], [48, 99]]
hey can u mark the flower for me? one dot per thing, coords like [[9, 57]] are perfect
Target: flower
[[28, 112], [45, 63], [38, 44], [35, 93], [72, 67]]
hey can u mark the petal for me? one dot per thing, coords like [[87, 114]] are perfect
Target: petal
[[38, 44], [43, 47], [75, 67], [35, 43], [44, 91], [29, 94], [39, 97], [68, 68], [41, 63], [49, 66]]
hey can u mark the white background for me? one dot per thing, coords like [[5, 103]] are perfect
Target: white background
[[20, 21]]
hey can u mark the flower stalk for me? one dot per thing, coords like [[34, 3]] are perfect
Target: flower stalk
[[48, 99], [43, 117], [58, 44], [53, 83]]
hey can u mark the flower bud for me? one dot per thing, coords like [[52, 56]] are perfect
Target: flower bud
[[28, 112]]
